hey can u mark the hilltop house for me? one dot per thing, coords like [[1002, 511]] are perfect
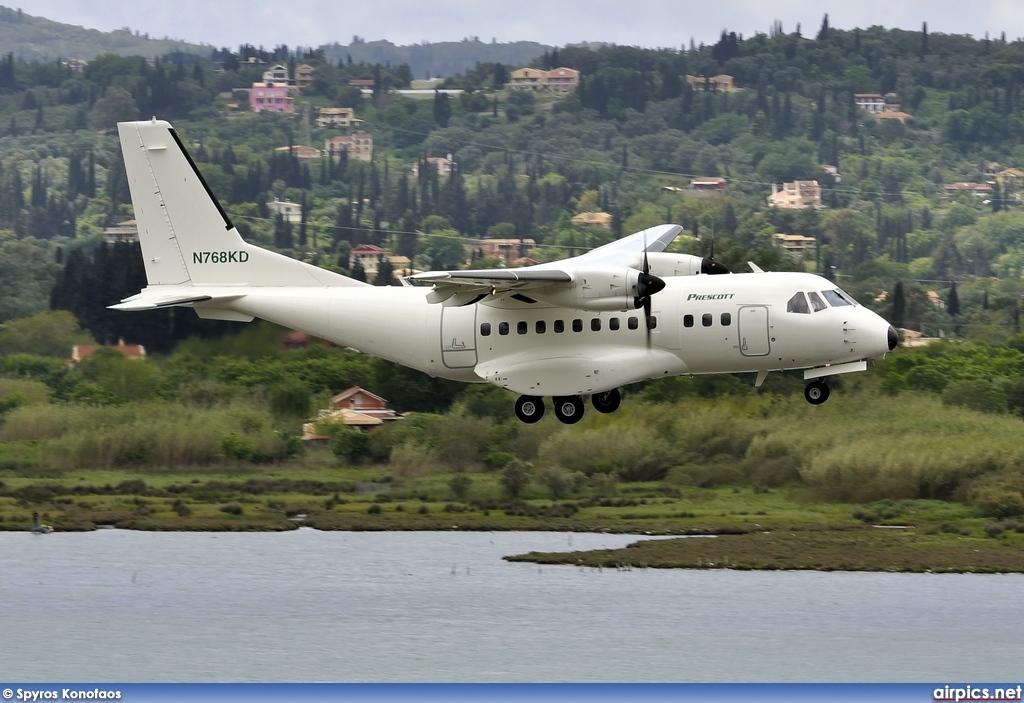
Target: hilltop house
[[84, 351], [443, 165], [337, 117], [358, 146], [269, 97], [291, 212], [122, 233], [796, 195], [722, 83], [557, 80]]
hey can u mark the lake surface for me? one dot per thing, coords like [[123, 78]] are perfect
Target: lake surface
[[125, 606]]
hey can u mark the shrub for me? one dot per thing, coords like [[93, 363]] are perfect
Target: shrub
[[350, 444], [374, 509], [232, 509], [515, 477], [994, 529], [460, 485]]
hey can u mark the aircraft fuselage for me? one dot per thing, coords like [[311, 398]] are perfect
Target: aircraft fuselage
[[704, 324]]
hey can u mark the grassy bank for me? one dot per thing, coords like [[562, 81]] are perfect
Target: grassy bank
[[755, 527], [853, 549]]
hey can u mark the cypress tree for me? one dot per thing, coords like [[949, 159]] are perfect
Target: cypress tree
[[953, 302]]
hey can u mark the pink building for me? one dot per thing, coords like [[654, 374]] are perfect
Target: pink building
[[271, 98]]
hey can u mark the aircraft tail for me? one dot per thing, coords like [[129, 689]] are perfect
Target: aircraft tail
[[187, 238]]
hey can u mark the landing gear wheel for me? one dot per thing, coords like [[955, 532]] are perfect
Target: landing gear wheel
[[607, 402], [529, 408], [816, 392], [569, 409]]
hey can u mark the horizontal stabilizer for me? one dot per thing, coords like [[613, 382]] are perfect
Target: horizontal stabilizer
[[150, 301]]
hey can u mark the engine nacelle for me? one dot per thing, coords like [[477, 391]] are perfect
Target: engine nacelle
[[606, 289], [666, 265]]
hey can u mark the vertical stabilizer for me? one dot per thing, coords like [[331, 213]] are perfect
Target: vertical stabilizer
[[186, 236]]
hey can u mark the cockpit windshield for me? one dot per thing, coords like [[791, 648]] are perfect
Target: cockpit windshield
[[837, 298], [816, 302], [798, 303]]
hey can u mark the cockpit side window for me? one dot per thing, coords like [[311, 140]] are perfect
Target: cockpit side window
[[817, 304], [798, 303], [836, 299]]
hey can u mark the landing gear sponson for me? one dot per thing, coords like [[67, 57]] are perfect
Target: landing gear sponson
[[568, 409]]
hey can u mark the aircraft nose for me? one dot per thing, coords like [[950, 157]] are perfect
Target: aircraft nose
[[893, 337]]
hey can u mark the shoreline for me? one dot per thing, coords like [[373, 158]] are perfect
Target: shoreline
[[848, 548]]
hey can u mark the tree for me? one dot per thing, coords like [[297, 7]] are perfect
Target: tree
[[385, 273], [50, 333], [515, 477], [460, 484], [899, 306], [117, 105], [953, 302], [444, 249], [442, 108]]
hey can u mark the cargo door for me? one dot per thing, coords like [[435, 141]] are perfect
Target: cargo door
[[458, 337], [753, 330]]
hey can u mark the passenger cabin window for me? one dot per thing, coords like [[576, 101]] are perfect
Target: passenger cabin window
[[502, 328], [687, 320], [726, 319], [613, 323], [521, 327], [798, 303], [595, 324], [542, 327], [706, 319], [559, 326], [817, 304], [485, 329], [652, 323], [577, 325], [633, 323], [836, 298]]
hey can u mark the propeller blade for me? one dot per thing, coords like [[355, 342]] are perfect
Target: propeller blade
[[647, 319], [708, 264]]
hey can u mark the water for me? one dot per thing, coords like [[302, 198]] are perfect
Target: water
[[443, 606]]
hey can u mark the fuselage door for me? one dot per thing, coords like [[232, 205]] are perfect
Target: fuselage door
[[458, 337], [753, 330]]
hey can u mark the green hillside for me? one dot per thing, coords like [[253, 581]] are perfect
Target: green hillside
[[39, 39]]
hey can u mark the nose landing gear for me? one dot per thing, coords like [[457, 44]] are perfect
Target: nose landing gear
[[816, 392], [607, 402]]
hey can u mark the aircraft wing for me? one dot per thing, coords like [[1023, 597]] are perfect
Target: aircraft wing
[[628, 251], [455, 288], [466, 287]]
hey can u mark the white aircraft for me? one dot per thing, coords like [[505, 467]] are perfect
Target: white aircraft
[[585, 326]]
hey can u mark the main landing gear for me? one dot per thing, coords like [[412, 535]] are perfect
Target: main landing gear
[[568, 409], [816, 392]]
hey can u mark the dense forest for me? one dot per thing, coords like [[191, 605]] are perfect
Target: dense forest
[[627, 142]]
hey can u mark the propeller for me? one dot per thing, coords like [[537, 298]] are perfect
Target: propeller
[[647, 284], [708, 264]]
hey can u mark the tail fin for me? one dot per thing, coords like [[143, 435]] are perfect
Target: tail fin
[[186, 237]]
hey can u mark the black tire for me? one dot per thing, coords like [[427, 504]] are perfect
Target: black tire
[[569, 409], [607, 402], [816, 392], [529, 408]]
